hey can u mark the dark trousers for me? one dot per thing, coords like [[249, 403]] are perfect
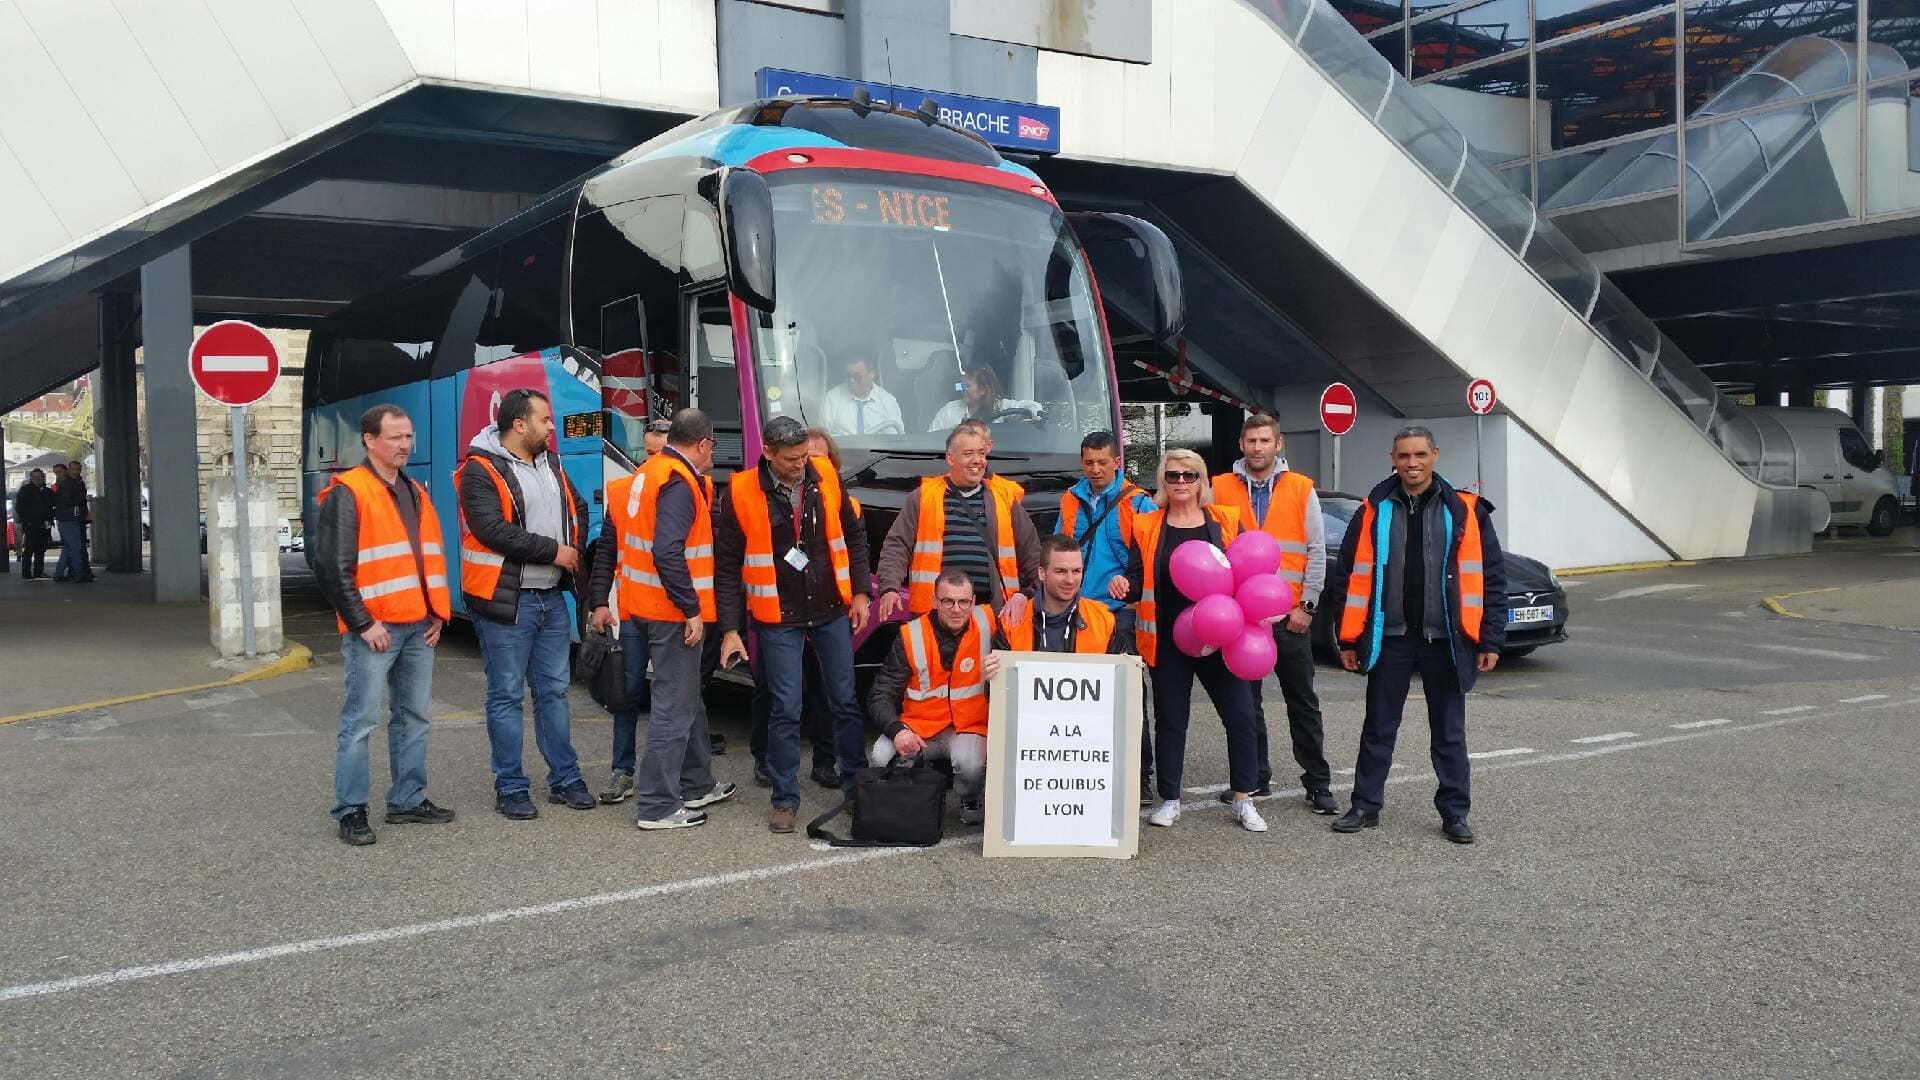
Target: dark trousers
[[73, 552], [1294, 670], [1387, 686], [1173, 677], [34, 540], [626, 725], [816, 722], [780, 666]]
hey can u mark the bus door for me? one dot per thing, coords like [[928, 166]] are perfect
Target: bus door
[[716, 376]]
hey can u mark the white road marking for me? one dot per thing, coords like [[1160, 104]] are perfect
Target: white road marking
[[1698, 724], [1820, 654], [671, 888], [1861, 698], [1576, 583], [1509, 752], [1649, 590], [1615, 736], [1787, 710], [1675, 657]]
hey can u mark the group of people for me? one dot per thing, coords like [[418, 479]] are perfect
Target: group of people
[[860, 406], [38, 509], [772, 569]]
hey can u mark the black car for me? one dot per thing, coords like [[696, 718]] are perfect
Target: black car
[[1536, 601]]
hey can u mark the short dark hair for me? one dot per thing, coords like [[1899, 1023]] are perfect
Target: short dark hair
[[516, 405], [372, 420], [862, 361], [783, 433], [1099, 440], [1415, 431], [661, 426], [953, 577], [1260, 420], [689, 427], [966, 427], [1058, 543], [72, 465]]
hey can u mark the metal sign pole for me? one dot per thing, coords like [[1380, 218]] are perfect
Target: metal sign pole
[[1479, 462], [1336, 464], [238, 413]]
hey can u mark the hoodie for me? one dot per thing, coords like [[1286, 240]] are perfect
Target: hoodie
[[1316, 574], [537, 491], [529, 533]]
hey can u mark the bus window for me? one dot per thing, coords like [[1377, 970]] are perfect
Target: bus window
[[716, 379]]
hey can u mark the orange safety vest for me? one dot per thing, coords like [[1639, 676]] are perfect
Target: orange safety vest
[[385, 574], [480, 565], [1369, 573], [1146, 536], [1286, 516], [924, 569], [1095, 631], [1070, 512], [632, 502], [937, 698], [758, 574]]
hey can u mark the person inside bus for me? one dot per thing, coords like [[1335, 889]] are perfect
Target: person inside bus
[[983, 399], [860, 406]]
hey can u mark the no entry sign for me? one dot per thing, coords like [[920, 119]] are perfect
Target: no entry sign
[[234, 362], [1480, 397], [1338, 408]]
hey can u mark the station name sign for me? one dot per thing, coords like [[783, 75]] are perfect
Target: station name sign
[[1007, 125]]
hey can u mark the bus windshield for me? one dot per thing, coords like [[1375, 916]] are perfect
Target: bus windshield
[[906, 304]]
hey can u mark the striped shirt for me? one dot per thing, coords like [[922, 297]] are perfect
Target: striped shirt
[[963, 546]]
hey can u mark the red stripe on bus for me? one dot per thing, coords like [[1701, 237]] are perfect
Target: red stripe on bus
[[836, 157]]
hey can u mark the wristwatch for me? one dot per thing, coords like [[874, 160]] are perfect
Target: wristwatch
[[1307, 606]]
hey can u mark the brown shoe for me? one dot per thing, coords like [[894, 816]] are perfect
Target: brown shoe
[[782, 819]]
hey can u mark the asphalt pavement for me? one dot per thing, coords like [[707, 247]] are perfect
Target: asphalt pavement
[[1696, 858]]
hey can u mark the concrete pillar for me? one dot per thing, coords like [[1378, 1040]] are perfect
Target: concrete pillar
[[223, 566], [1800, 396], [1860, 402], [907, 40], [116, 426], [173, 482], [1227, 420], [1766, 390], [6, 550]]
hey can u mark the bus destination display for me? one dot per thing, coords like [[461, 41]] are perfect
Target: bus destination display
[[833, 205]]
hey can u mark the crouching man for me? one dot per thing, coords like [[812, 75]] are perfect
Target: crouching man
[[931, 695]]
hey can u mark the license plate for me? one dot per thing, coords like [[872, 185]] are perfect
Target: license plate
[[1530, 614]]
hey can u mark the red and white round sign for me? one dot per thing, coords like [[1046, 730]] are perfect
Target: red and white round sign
[[234, 362], [1338, 408], [1480, 397]]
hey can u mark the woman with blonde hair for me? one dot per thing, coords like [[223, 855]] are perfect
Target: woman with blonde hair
[[1186, 512]]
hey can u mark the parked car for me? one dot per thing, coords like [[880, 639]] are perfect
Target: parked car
[[1832, 457], [283, 533], [1536, 601]]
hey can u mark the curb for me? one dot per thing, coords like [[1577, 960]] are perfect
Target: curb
[[1616, 567], [298, 658], [1773, 603]]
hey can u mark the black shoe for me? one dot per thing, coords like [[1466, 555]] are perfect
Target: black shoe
[[354, 830], [972, 812], [574, 795], [1457, 831], [1322, 802], [826, 774], [518, 806], [1265, 791], [1353, 821], [424, 814], [718, 743], [1148, 794], [760, 774]]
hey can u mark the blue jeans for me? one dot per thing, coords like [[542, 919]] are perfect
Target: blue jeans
[[406, 668], [633, 646], [532, 649], [780, 654], [73, 551]]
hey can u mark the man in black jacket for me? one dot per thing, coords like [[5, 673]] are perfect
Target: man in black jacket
[[519, 556], [1430, 595], [70, 516], [779, 573], [33, 513]]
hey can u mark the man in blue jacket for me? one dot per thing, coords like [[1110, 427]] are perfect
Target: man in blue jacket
[[1098, 513]]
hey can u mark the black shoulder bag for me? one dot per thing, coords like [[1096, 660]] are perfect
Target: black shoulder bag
[[893, 805]]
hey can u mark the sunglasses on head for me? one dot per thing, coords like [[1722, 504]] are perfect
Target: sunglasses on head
[[1181, 477]]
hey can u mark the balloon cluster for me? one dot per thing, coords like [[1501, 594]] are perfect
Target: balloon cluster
[[1237, 596]]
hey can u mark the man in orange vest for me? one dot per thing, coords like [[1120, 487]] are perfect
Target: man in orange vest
[[1061, 620], [378, 559], [1419, 585], [931, 694], [522, 529], [966, 520], [791, 561], [1282, 503], [659, 543]]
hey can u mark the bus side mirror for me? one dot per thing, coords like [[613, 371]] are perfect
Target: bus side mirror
[[1128, 248], [746, 214]]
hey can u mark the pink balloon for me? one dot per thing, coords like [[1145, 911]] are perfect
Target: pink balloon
[[1264, 598], [1253, 553], [1186, 640], [1251, 655], [1200, 570], [1217, 619]]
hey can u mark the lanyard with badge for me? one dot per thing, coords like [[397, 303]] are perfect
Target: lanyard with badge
[[796, 557]]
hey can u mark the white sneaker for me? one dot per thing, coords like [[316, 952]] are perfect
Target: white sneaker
[[720, 793], [679, 819], [1165, 814], [1248, 817]]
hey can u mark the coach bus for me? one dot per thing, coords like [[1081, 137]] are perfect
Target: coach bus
[[739, 263]]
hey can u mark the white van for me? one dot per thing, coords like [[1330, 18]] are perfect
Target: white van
[[1834, 458]]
